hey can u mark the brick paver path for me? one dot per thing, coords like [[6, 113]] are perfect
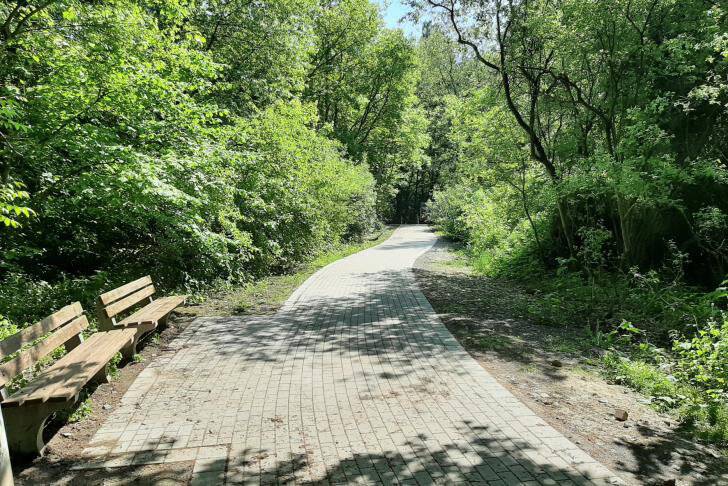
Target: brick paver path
[[355, 380]]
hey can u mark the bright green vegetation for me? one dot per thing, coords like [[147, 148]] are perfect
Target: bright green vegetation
[[82, 411], [699, 414], [205, 143], [584, 147]]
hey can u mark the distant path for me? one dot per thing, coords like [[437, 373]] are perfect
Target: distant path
[[355, 380]]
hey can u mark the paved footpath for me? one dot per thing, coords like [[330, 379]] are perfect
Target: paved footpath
[[354, 381]]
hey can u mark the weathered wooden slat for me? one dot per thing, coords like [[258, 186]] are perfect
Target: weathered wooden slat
[[155, 311], [108, 345], [59, 369], [124, 290], [129, 301], [76, 374], [31, 333], [30, 356], [70, 373]]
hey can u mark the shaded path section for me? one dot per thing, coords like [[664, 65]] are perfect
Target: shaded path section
[[355, 380]]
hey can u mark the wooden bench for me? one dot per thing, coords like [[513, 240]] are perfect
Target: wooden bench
[[57, 387], [130, 297]]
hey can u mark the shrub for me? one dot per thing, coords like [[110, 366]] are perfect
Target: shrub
[[703, 360]]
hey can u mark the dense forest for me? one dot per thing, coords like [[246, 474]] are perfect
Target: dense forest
[[577, 147], [203, 142]]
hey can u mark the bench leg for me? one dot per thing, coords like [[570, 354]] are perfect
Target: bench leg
[[130, 349], [102, 376], [24, 428]]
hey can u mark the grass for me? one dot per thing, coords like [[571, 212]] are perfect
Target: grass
[[495, 343], [77, 413], [565, 345], [267, 293], [114, 365], [460, 261], [706, 419], [641, 376], [271, 292], [529, 368], [83, 411]]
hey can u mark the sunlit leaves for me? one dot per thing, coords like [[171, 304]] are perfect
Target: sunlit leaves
[[11, 212], [148, 138]]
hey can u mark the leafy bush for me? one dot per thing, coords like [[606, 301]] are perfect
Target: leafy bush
[[446, 210], [707, 418], [25, 299], [144, 147], [7, 328], [10, 211], [703, 360]]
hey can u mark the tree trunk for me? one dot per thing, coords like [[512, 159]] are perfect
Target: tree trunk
[[533, 227], [566, 226]]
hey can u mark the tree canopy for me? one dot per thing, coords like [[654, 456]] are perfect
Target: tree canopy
[[203, 141]]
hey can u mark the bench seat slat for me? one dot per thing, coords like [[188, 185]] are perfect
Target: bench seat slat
[[69, 374], [106, 347], [72, 371], [30, 356], [54, 371], [154, 311]]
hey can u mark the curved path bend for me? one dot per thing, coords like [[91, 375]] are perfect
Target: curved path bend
[[354, 380]]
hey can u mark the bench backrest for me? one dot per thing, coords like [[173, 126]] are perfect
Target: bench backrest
[[63, 326], [121, 299]]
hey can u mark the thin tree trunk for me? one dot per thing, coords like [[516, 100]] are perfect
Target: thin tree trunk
[[533, 227]]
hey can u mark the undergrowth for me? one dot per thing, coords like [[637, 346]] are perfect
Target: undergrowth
[[665, 339]]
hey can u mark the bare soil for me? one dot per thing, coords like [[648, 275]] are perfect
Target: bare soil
[[555, 373]]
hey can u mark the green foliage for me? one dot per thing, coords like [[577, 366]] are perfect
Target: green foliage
[[175, 139], [446, 211], [363, 81], [26, 300], [266, 48], [10, 211], [708, 418], [578, 147], [82, 411], [646, 378], [114, 365], [703, 359], [272, 291], [587, 164], [7, 328]]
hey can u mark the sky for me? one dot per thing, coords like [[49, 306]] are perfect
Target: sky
[[395, 11]]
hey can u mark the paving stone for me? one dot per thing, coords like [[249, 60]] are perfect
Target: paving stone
[[355, 380], [180, 455], [208, 478]]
